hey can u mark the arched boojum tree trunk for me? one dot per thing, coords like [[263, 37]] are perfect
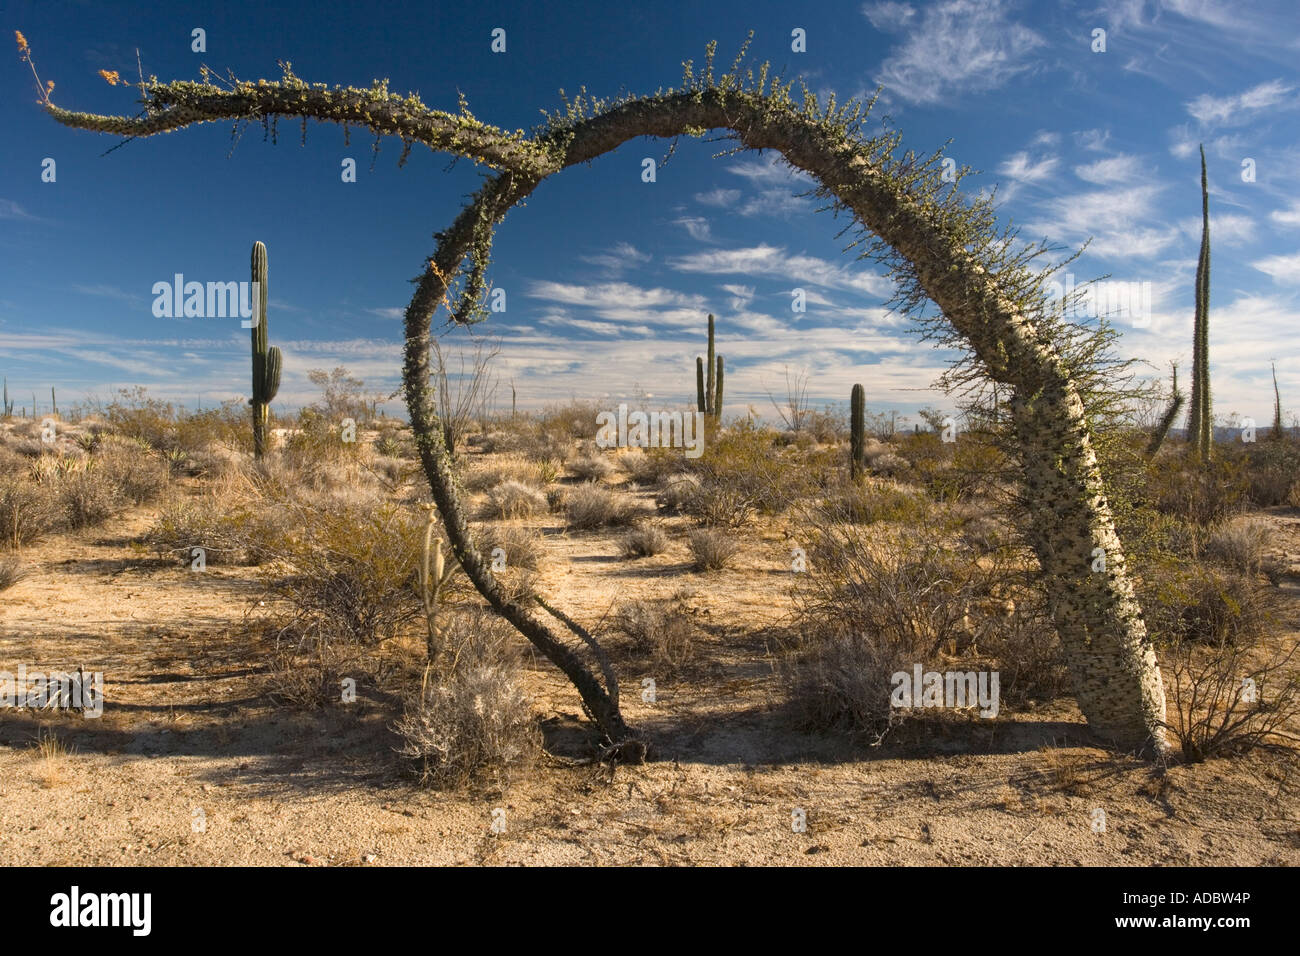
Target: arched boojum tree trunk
[[1110, 656]]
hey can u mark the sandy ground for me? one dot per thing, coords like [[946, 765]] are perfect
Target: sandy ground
[[192, 764]]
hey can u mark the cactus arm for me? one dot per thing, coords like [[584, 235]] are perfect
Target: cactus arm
[[857, 429], [717, 395], [699, 385], [708, 369]]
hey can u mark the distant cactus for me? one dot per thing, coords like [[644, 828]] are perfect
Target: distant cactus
[[54, 403], [708, 381], [1176, 402], [9, 402], [857, 429], [1276, 433], [267, 362], [1200, 429]]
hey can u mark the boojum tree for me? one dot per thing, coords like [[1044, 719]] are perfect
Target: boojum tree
[[940, 247]]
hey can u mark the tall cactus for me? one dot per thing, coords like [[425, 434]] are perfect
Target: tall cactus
[[54, 402], [857, 429], [267, 362], [9, 402], [1200, 430], [1276, 433], [708, 380], [1176, 402]]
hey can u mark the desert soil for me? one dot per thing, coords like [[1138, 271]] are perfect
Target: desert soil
[[189, 733]]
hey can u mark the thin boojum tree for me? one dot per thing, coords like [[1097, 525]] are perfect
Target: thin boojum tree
[[940, 248]]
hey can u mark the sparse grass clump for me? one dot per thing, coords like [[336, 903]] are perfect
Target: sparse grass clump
[[645, 541], [471, 717], [1240, 544], [28, 511], [11, 572], [591, 506], [88, 497], [591, 467], [523, 547], [712, 549], [661, 633], [514, 499]]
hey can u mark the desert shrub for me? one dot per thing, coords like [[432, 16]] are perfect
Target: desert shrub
[[675, 490], [139, 476], [1199, 603], [523, 548], [11, 572], [720, 502], [471, 717], [134, 414], [1272, 468], [591, 467], [514, 499], [488, 476], [591, 506], [309, 678], [645, 541], [352, 572], [28, 510], [650, 466], [912, 585], [842, 682], [1198, 493], [661, 633], [875, 500], [229, 425], [711, 549], [11, 462], [88, 497], [228, 532], [391, 445], [215, 460], [556, 499], [572, 421], [880, 602], [1027, 648], [951, 471], [743, 472], [1240, 544], [1225, 700]]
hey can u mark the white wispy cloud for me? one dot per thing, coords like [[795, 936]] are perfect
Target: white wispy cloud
[[622, 256], [956, 47], [1287, 217], [11, 210], [1123, 168], [721, 198], [889, 15], [1122, 222], [774, 261], [1240, 108], [1024, 168], [696, 226], [1282, 268]]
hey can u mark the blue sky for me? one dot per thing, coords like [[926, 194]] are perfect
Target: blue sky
[[608, 278]]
